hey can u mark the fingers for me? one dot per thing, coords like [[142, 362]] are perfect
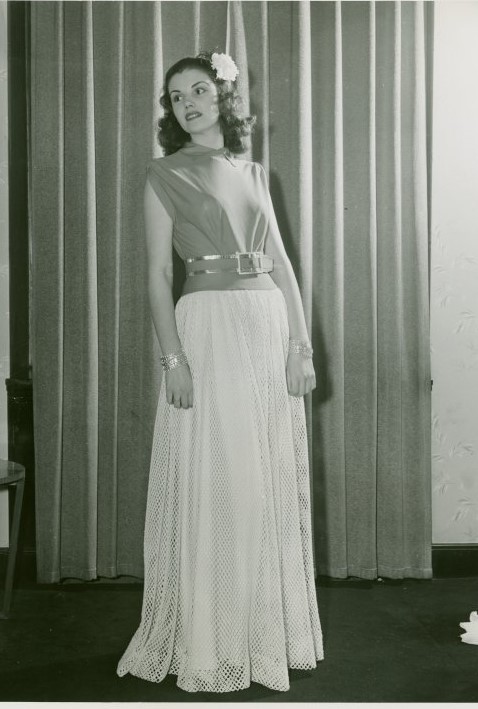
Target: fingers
[[300, 386], [186, 400], [300, 375], [180, 400]]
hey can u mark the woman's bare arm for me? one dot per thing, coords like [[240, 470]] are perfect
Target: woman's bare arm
[[159, 232], [284, 276], [300, 371]]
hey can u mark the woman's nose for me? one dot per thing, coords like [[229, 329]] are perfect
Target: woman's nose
[[188, 103]]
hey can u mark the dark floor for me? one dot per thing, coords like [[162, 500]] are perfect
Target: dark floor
[[384, 642]]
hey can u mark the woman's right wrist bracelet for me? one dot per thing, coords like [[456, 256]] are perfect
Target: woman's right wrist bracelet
[[301, 347], [171, 361]]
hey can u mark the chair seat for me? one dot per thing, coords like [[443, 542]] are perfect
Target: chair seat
[[11, 472]]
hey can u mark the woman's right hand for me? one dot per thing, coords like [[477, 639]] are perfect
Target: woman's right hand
[[179, 387]]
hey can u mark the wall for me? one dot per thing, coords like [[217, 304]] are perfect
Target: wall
[[454, 274], [4, 282]]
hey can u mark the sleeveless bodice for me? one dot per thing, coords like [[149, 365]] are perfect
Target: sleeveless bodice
[[218, 204]]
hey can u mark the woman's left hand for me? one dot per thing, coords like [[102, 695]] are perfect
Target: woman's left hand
[[300, 374]]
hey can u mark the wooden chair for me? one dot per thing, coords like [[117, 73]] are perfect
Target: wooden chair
[[12, 474]]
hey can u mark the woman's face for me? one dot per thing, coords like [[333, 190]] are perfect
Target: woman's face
[[194, 101]]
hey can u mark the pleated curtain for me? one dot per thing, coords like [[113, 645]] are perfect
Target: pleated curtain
[[340, 92]]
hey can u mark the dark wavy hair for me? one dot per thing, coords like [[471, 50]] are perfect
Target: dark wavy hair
[[235, 127]]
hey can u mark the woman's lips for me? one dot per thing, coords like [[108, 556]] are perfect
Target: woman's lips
[[191, 116]]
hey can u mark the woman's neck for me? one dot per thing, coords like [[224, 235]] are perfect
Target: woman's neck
[[209, 140]]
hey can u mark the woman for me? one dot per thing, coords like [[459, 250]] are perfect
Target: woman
[[229, 594]]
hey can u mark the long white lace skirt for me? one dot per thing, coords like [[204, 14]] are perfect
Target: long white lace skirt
[[229, 593]]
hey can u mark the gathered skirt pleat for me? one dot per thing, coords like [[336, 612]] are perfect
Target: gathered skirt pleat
[[229, 591]]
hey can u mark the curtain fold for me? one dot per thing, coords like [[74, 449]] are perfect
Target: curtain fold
[[340, 93]]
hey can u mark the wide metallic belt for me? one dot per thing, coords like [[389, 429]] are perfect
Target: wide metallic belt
[[242, 262]]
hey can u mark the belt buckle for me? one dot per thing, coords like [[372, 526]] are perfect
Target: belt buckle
[[254, 262]]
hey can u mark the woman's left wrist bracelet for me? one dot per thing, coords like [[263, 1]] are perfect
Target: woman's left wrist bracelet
[[301, 347], [171, 361]]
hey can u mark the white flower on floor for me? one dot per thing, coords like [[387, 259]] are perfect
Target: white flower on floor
[[471, 635]]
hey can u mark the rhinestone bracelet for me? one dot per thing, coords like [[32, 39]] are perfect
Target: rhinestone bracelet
[[301, 347], [171, 361]]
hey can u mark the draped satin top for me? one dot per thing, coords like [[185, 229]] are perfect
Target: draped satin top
[[218, 204]]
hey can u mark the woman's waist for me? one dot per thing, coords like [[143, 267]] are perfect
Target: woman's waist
[[237, 270], [225, 280]]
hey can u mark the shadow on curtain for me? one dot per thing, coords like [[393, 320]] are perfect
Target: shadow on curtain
[[340, 94]]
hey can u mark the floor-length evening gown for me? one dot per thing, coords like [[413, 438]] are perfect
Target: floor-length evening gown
[[229, 592]]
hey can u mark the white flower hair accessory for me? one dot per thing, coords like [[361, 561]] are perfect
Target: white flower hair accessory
[[224, 66]]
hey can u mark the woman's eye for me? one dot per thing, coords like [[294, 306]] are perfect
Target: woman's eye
[[200, 90], [176, 98]]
